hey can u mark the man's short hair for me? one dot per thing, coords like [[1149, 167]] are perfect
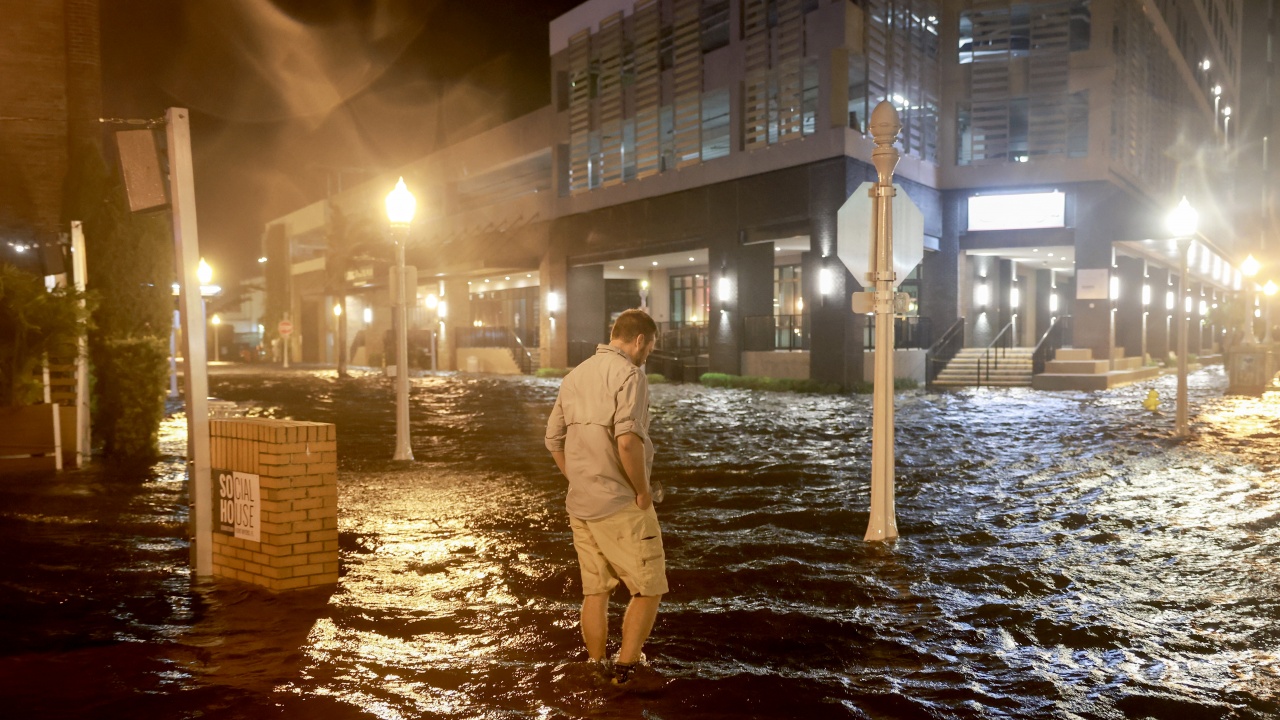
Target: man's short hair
[[632, 323]]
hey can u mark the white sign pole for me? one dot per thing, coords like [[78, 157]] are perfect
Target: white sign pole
[[79, 273], [884, 128], [187, 248]]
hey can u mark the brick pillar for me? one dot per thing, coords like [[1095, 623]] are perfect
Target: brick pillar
[[275, 502]]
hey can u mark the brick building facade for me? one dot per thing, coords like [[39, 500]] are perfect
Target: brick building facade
[[50, 96]]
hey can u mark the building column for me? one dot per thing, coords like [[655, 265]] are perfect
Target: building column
[[457, 298], [586, 323], [1129, 309], [553, 333], [1159, 337]]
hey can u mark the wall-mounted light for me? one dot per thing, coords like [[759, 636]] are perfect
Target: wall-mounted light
[[1115, 287], [261, 330], [826, 281], [1015, 298], [432, 301], [1189, 304], [1053, 302], [1146, 295], [337, 309], [1169, 301], [1204, 308], [724, 288], [553, 302], [368, 316], [982, 295], [442, 310]]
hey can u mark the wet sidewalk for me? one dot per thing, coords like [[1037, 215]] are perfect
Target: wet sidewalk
[[1060, 557]]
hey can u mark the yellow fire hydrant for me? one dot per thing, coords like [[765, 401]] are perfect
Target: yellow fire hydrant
[[1152, 402]]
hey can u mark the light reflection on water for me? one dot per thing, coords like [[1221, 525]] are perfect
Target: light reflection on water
[[1060, 557]]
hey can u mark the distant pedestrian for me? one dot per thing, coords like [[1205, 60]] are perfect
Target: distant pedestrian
[[598, 434]]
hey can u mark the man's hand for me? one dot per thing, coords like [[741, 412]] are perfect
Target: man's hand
[[631, 452]]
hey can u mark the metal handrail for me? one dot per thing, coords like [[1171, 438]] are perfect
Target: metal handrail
[[941, 352], [990, 353], [498, 337], [1050, 342]]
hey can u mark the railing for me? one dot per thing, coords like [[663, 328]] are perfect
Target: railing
[[775, 332], [941, 352], [682, 339], [1054, 338], [909, 333], [496, 337], [996, 349]]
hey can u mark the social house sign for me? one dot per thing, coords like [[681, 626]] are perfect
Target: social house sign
[[238, 510]]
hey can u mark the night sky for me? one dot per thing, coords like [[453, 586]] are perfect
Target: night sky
[[283, 92]]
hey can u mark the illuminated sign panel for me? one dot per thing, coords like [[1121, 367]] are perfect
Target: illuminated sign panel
[[1017, 212]]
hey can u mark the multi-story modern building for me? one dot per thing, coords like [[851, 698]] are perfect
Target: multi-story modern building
[[695, 153]]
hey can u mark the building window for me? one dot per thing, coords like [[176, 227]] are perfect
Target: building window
[[690, 299], [715, 124], [714, 23], [787, 296]]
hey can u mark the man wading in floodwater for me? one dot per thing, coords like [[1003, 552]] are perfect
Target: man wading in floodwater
[[598, 434]]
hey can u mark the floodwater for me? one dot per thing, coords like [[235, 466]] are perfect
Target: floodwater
[[1060, 557]]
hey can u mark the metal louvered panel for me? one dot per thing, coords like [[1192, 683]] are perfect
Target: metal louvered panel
[[647, 86], [579, 112], [878, 31], [609, 53], [902, 66], [687, 81], [1048, 69], [789, 69], [989, 82], [755, 96]]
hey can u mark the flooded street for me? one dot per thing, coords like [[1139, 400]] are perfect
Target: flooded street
[[1060, 557]]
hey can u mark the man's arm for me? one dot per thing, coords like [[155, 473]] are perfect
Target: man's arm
[[558, 456], [631, 452]]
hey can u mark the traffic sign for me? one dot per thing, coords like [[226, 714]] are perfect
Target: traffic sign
[[285, 327], [855, 237]]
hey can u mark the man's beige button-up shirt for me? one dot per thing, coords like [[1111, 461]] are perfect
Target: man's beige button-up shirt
[[601, 399]]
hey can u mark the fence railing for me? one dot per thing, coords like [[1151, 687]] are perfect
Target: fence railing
[[996, 350], [909, 333], [682, 339], [775, 332]]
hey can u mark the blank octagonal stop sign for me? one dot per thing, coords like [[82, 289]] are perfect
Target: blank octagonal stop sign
[[855, 238]]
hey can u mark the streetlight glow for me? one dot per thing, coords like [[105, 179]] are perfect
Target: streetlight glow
[[1184, 220], [204, 273], [1250, 266], [1270, 288], [401, 205]]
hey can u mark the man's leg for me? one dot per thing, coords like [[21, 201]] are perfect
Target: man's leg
[[595, 623], [636, 626]]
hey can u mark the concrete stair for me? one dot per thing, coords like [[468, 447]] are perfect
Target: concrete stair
[[1075, 369], [1008, 368]]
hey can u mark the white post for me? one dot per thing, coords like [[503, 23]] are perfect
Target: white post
[[187, 248], [173, 354], [404, 448], [284, 343], [79, 270], [1180, 423], [884, 127]]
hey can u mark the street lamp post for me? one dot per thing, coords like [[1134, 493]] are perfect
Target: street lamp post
[[400, 208], [217, 351], [1269, 291], [1183, 222], [1249, 268]]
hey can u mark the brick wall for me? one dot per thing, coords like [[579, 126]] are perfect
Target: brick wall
[[49, 67], [297, 465]]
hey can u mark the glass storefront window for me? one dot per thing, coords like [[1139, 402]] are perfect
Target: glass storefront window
[[690, 299]]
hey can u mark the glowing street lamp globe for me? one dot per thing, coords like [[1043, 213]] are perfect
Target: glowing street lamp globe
[[1270, 288], [204, 273], [1250, 266], [1184, 220], [401, 205]]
